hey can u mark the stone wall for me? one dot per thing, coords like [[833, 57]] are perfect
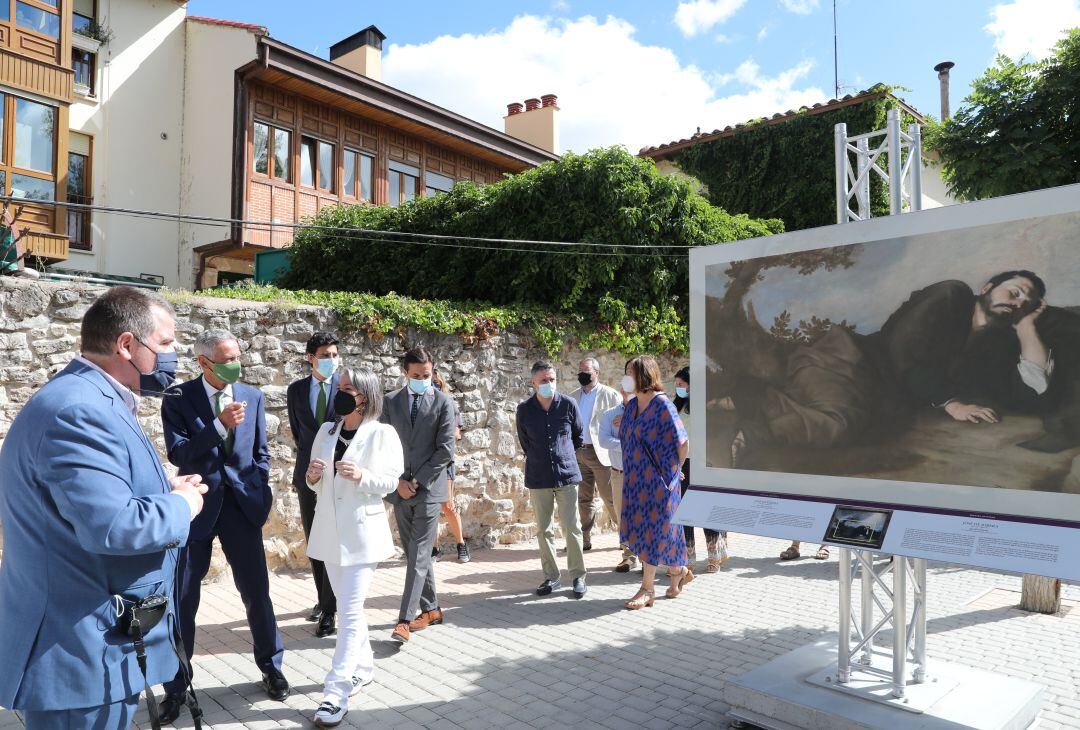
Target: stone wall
[[39, 334]]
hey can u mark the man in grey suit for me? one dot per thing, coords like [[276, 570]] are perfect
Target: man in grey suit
[[424, 420]]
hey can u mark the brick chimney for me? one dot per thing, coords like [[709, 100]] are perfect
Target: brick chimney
[[361, 53], [538, 124]]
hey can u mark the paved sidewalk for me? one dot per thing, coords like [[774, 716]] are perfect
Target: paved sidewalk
[[508, 659]]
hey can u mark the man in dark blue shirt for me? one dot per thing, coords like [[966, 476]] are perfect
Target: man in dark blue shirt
[[549, 430]]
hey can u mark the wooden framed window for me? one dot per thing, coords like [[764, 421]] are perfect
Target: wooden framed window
[[317, 164], [39, 16], [83, 16], [434, 184], [28, 152], [84, 64], [358, 176], [271, 151], [404, 183], [79, 191]]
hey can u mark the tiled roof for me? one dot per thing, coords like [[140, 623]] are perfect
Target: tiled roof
[[261, 29], [874, 92]]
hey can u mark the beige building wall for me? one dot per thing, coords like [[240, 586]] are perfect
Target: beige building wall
[[213, 53], [539, 127]]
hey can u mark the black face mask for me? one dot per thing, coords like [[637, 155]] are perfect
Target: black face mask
[[584, 378], [344, 403], [158, 380]]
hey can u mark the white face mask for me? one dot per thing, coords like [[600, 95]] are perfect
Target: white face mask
[[628, 384]]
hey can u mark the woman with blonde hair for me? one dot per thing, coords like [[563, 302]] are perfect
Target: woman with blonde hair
[[654, 446], [356, 461]]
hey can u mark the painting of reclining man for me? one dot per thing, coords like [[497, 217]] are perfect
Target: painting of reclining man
[[948, 358]]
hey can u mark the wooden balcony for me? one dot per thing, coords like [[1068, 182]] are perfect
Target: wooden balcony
[[49, 247], [40, 77]]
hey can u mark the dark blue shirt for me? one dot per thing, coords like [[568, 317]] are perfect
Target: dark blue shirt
[[550, 440]]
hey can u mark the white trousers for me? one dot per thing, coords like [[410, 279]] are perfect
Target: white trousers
[[352, 654]]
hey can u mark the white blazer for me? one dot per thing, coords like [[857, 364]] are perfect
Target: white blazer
[[350, 525], [606, 399]]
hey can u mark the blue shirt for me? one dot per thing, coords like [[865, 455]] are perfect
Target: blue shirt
[[609, 435], [585, 409], [550, 440]]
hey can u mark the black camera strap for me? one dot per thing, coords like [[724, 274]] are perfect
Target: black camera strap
[[140, 657]]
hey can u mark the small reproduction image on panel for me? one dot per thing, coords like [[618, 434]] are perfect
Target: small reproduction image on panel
[[858, 527]]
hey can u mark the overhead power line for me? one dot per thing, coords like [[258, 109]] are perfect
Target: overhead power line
[[368, 234]]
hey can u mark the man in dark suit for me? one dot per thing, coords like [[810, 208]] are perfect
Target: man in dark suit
[[424, 420], [311, 404], [217, 428]]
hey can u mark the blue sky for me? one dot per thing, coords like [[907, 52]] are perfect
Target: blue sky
[[643, 72]]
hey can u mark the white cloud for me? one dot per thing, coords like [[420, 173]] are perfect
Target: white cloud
[[801, 7], [698, 16], [560, 6], [1031, 27], [761, 34], [612, 88], [723, 38]]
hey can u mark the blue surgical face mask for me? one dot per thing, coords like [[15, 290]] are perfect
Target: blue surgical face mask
[[682, 392], [546, 390], [327, 366], [155, 382], [419, 386]]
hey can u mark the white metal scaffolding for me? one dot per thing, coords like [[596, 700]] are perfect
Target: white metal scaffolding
[[901, 172]]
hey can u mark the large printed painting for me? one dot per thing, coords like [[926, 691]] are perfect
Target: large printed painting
[[937, 348]]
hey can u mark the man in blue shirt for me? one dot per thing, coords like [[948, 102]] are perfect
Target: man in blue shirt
[[550, 432]]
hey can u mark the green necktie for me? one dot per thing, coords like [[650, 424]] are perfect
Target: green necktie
[[320, 405], [229, 432]]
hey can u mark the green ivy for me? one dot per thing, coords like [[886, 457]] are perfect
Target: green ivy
[[615, 326], [787, 170], [606, 197]]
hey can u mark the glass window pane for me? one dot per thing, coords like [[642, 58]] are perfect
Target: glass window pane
[[32, 188], [436, 183], [82, 63], [36, 19], [260, 143], [412, 187], [326, 166], [34, 125], [5, 11], [367, 182], [76, 175], [395, 187], [81, 23], [282, 155], [307, 162], [348, 177], [407, 169]]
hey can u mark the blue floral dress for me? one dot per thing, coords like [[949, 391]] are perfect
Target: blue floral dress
[[650, 445]]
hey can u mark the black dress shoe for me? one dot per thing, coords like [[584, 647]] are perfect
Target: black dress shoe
[[277, 687], [548, 586], [315, 615], [169, 707], [327, 625], [586, 546]]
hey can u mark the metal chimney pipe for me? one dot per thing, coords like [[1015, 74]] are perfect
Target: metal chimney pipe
[[943, 79]]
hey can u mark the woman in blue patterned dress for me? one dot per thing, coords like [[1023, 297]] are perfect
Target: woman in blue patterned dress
[[654, 446]]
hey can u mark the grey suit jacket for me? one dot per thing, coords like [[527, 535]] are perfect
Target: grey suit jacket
[[428, 444]]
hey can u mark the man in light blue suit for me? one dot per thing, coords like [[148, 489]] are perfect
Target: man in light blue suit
[[90, 514]]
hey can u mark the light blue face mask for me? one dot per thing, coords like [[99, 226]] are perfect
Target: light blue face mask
[[682, 392], [327, 366], [546, 390], [419, 386]]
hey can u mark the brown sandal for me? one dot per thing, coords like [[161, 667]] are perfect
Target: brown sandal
[[643, 599], [677, 586], [791, 553]]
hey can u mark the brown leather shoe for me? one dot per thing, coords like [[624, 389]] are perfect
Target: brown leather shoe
[[401, 632], [425, 619]]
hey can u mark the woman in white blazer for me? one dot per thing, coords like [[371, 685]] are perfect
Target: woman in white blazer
[[356, 461]]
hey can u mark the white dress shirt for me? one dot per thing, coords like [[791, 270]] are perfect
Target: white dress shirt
[[130, 399]]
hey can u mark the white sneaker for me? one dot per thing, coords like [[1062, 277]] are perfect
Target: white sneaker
[[330, 715], [357, 685]]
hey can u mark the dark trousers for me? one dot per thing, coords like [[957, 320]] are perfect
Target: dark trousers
[[242, 544], [308, 499], [711, 536], [418, 525]]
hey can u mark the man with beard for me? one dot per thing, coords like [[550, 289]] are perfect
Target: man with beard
[[946, 347]]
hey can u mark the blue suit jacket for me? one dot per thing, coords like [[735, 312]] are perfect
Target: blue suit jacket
[[87, 514], [194, 446]]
